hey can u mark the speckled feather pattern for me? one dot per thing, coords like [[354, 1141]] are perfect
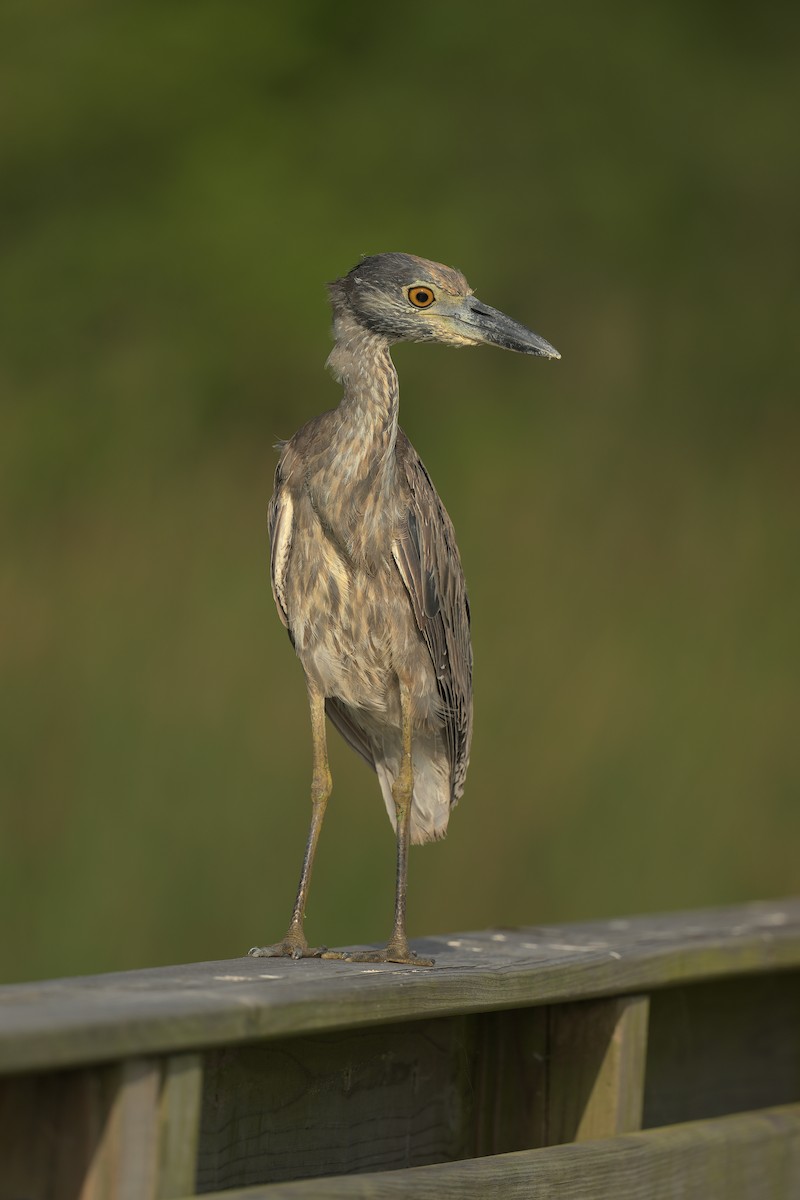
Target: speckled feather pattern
[[367, 578]]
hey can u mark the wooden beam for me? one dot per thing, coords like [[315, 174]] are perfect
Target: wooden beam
[[751, 1156], [596, 1068], [341, 1102], [51, 1129], [724, 1046], [166, 1010], [509, 1083], [179, 1125], [124, 1163], [126, 1131]]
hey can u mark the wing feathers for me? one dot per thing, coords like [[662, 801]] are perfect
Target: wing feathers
[[427, 558], [279, 519]]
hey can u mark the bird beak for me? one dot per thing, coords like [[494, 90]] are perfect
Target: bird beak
[[489, 325]]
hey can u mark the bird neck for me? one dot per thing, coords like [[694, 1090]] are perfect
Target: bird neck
[[367, 413]]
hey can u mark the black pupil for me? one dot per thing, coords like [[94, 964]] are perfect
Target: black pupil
[[421, 296]]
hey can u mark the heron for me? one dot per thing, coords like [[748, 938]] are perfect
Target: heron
[[367, 577]]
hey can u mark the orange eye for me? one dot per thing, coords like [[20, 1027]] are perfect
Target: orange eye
[[421, 297]]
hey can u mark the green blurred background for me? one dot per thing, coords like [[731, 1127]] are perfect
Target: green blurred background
[[178, 182]]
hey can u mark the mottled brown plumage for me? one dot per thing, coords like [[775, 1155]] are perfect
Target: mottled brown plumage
[[366, 573]]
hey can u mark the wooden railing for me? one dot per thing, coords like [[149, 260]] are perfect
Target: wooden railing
[[651, 1057]]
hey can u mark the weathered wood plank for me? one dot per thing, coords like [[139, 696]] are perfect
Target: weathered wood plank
[[123, 1131], [728, 1046], [70, 1022], [91, 1133], [125, 1162], [51, 1128], [179, 1125], [334, 1103], [598, 1050], [402, 1095], [509, 1084], [753, 1156]]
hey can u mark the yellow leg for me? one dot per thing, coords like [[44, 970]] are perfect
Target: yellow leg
[[402, 794], [398, 949], [294, 945]]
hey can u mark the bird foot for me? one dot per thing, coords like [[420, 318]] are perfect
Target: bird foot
[[394, 953], [293, 946]]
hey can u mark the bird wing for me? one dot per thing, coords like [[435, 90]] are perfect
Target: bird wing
[[427, 558], [279, 521]]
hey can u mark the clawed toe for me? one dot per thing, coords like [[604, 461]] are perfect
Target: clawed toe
[[294, 945], [288, 948], [399, 955]]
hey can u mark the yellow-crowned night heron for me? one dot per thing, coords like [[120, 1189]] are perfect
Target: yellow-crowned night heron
[[366, 573]]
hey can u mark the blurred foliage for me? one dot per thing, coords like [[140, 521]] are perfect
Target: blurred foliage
[[177, 182]]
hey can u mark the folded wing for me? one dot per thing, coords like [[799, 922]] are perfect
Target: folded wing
[[427, 558]]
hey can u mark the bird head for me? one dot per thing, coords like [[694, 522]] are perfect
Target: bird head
[[403, 298]]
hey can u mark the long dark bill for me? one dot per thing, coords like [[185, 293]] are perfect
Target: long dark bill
[[490, 325]]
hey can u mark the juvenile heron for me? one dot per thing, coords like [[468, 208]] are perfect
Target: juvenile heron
[[366, 573]]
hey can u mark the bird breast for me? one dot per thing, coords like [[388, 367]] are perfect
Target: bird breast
[[350, 617]]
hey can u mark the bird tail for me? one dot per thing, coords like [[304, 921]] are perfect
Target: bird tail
[[430, 807]]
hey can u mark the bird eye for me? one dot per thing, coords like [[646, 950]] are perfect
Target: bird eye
[[421, 297]]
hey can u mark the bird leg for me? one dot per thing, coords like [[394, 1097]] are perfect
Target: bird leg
[[398, 949], [294, 945]]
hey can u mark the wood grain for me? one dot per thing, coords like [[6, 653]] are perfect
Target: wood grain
[[124, 1163], [125, 1131], [179, 1125], [509, 1084], [753, 1156], [149, 1084], [97, 1018], [51, 1129], [350, 1101], [728, 1046], [598, 1050]]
